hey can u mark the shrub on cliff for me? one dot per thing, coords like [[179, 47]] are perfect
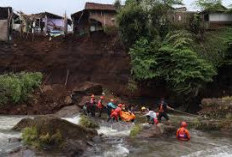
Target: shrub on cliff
[[32, 137], [172, 60], [88, 123], [16, 88]]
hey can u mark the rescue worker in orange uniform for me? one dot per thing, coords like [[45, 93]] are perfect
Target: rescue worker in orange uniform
[[182, 133], [116, 113], [100, 106], [163, 110]]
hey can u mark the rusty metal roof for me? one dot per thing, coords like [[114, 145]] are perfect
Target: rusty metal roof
[[98, 6]]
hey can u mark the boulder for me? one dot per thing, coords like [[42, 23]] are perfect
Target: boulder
[[68, 111], [151, 131], [68, 100], [26, 122], [50, 124], [88, 88], [72, 139]]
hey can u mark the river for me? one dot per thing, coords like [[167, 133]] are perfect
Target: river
[[117, 144]]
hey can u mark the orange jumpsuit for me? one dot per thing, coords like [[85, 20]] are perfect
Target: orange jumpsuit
[[183, 134], [115, 113]]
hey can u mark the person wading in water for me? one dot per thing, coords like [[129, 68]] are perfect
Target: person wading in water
[[163, 107]]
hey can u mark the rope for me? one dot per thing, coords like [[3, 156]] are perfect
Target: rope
[[187, 113]]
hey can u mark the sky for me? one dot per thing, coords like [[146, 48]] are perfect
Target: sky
[[70, 6]]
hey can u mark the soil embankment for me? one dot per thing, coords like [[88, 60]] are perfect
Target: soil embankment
[[66, 64]]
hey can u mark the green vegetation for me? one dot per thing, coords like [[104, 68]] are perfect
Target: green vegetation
[[176, 56], [88, 123], [210, 5], [136, 129], [15, 88], [32, 137]]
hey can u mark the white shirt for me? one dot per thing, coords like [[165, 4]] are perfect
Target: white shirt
[[151, 114]]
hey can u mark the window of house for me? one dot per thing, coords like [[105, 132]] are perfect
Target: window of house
[[179, 18]]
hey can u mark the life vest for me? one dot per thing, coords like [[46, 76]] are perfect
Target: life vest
[[161, 108], [182, 134], [99, 104]]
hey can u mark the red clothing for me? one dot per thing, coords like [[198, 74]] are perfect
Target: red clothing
[[115, 113], [183, 134], [99, 104]]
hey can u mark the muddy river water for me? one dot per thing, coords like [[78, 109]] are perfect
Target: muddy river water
[[117, 144]]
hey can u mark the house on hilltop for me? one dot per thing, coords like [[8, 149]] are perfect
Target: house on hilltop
[[5, 23], [182, 17], [43, 22], [216, 17], [94, 17]]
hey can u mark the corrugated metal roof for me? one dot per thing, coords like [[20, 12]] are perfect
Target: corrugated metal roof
[[98, 6]]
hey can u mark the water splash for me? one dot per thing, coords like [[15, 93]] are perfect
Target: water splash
[[224, 151], [75, 120], [117, 151]]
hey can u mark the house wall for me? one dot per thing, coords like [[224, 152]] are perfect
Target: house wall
[[220, 17], [81, 24], [54, 24], [105, 18], [4, 30]]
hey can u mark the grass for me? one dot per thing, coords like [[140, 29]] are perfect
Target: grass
[[88, 123], [135, 130], [32, 138]]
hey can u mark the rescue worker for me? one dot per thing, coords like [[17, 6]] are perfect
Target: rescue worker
[[182, 133], [109, 107], [151, 117], [163, 107], [116, 113], [92, 106], [100, 106], [144, 109]]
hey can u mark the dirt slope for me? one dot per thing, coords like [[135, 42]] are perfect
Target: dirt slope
[[99, 58]]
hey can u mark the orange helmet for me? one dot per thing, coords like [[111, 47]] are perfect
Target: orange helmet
[[92, 96], [112, 100], [183, 124], [102, 97], [120, 105]]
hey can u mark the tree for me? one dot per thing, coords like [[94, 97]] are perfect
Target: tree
[[210, 5], [133, 23], [174, 61], [118, 4]]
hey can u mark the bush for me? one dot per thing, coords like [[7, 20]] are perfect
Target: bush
[[88, 123], [172, 60], [29, 135], [135, 130], [16, 88], [32, 137]]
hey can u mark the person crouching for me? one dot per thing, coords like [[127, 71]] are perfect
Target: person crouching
[[151, 117], [182, 133], [115, 113]]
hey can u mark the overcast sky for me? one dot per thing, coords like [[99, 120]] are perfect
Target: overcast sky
[[70, 6]]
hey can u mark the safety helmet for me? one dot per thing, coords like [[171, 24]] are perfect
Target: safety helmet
[[92, 96], [183, 124], [143, 108], [120, 105], [102, 97]]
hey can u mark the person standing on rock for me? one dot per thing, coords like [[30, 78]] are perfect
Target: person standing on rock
[[100, 106], [163, 107], [182, 133], [110, 106], [151, 117], [92, 106]]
